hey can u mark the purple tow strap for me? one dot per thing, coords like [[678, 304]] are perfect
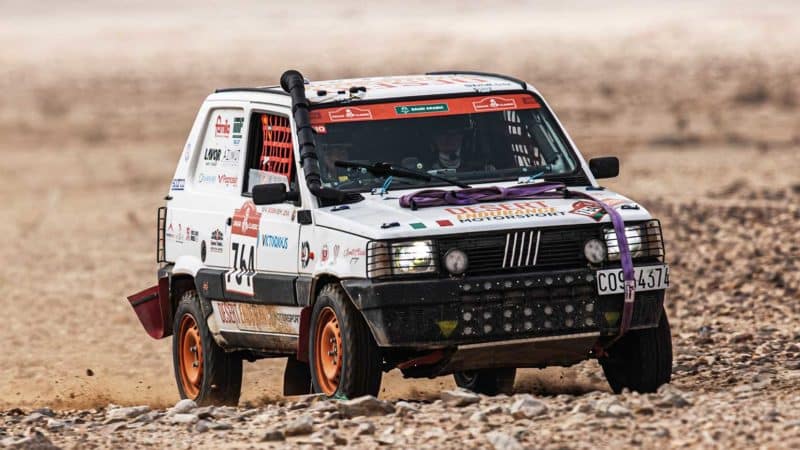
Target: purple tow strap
[[439, 197], [628, 273]]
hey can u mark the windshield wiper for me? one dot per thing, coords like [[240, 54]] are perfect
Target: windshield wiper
[[382, 169]]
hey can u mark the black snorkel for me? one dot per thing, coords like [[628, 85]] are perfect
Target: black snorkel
[[293, 83]]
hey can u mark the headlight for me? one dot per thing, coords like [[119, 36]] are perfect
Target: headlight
[[400, 258], [595, 251], [635, 237], [644, 241], [413, 257], [456, 261]]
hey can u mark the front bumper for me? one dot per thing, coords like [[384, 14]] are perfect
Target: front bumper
[[440, 313]]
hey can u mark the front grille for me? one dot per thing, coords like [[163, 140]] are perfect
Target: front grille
[[502, 308], [521, 250]]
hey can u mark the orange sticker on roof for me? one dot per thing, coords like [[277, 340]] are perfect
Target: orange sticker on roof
[[494, 104], [423, 108], [349, 113]]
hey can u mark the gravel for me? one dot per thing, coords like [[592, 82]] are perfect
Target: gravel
[[734, 312], [459, 397]]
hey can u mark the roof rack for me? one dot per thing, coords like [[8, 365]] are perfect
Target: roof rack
[[268, 90], [485, 74]]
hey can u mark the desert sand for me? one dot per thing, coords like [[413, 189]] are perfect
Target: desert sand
[[700, 102]]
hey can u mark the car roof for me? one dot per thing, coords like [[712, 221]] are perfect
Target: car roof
[[402, 86]]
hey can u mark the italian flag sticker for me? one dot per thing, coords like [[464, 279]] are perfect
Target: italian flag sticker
[[444, 223], [418, 225]]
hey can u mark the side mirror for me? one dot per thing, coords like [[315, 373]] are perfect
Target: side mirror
[[605, 167], [271, 193]]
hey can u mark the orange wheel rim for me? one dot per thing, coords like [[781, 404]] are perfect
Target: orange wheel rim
[[190, 356], [328, 351]]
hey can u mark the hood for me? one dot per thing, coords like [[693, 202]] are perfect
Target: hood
[[382, 217]]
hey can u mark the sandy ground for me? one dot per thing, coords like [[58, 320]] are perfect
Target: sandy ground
[[697, 100]]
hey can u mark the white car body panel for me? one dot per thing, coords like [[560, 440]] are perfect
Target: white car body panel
[[335, 244]]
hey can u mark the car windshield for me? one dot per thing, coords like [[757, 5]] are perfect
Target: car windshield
[[471, 139]]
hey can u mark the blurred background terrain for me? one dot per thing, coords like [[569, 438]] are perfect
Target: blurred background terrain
[[701, 102]]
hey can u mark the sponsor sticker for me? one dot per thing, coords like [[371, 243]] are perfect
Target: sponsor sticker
[[503, 211], [354, 252], [273, 241], [494, 103], [272, 211], [231, 157], [255, 317], [592, 210], [191, 235], [227, 180], [305, 254], [206, 179], [216, 244], [324, 256], [178, 184], [222, 128], [245, 220], [238, 123], [420, 109], [211, 156], [349, 113], [170, 232]]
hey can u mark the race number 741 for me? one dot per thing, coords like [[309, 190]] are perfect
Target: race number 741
[[240, 277]]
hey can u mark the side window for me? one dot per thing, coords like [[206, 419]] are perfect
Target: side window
[[270, 152], [523, 146], [219, 165]]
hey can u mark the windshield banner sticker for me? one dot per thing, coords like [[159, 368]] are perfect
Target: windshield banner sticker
[[417, 109], [405, 110]]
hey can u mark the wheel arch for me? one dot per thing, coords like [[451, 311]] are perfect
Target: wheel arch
[[182, 278], [318, 282]]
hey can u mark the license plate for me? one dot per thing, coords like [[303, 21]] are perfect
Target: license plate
[[648, 278]]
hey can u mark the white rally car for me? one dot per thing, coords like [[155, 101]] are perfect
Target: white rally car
[[439, 224]]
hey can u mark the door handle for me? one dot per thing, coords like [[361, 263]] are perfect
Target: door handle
[[229, 221]]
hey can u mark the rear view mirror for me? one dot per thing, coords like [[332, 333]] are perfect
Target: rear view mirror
[[271, 193], [604, 167]]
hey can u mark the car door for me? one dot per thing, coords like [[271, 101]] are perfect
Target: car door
[[263, 238]]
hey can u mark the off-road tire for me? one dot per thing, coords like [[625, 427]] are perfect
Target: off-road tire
[[221, 373], [487, 381], [641, 360], [360, 372]]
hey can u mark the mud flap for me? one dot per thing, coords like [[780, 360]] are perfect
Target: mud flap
[[296, 377], [152, 308]]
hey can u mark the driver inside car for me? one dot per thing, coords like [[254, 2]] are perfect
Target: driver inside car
[[447, 149], [448, 146]]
